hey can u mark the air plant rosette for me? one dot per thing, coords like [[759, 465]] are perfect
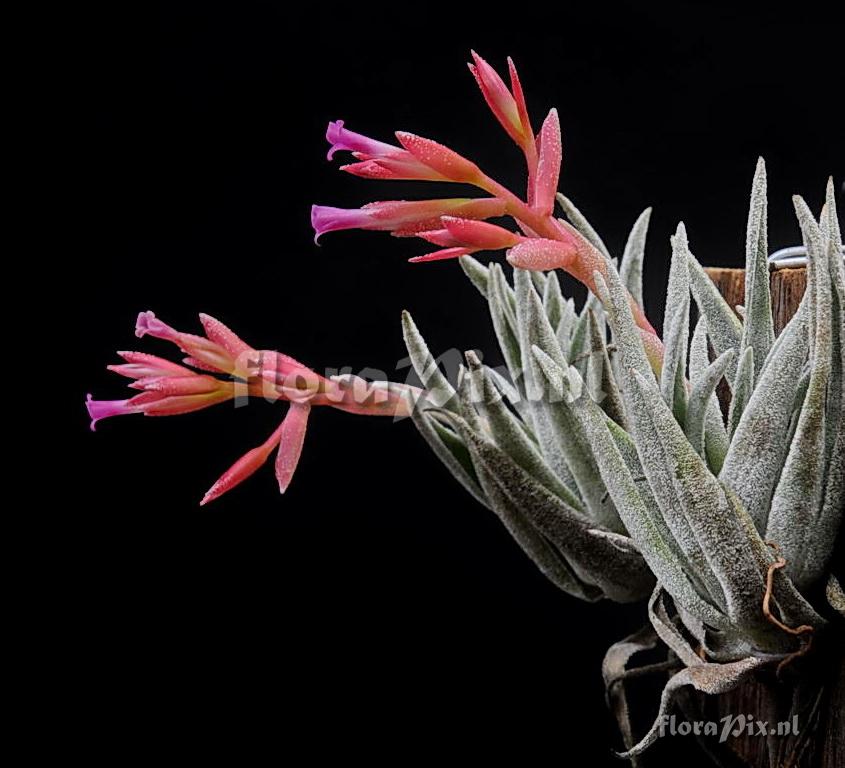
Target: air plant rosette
[[600, 446]]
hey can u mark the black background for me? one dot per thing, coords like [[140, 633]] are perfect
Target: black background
[[375, 610]]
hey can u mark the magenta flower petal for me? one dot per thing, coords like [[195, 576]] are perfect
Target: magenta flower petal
[[104, 409], [148, 323], [342, 139], [324, 219]]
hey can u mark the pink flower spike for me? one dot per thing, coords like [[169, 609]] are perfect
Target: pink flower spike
[[342, 139], [548, 165], [245, 466], [479, 234], [445, 161], [290, 443], [104, 409], [536, 253], [446, 253]]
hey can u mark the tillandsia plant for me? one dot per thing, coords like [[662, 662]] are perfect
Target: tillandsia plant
[[601, 447]]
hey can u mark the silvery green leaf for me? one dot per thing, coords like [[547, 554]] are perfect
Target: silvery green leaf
[[600, 378], [467, 400], [834, 231], [539, 280], [439, 391], [757, 451], [579, 221], [723, 326], [834, 494], [700, 400], [676, 328], [558, 431], [835, 595], [508, 433], [644, 522], [723, 530], [512, 395], [758, 331], [565, 327], [626, 335], [476, 272], [540, 551], [743, 386], [504, 325], [715, 435], [619, 572], [447, 446], [666, 629], [631, 268], [798, 499], [707, 678], [659, 465], [821, 540], [553, 299]]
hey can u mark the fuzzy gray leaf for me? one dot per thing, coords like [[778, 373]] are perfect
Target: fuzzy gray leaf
[[626, 335], [701, 397], [760, 441], [558, 431], [509, 434], [447, 446], [743, 386], [723, 326], [600, 378], [440, 391], [723, 531], [621, 574], [504, 325], [798, 498], [715, 435], [667, 631], [477, 273], [758, 329], [643, 522], [579, 221], [631, 267], [676, 328]]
